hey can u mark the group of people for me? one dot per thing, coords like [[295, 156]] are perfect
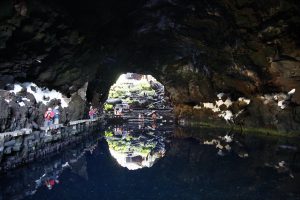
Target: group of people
[[52, 116]]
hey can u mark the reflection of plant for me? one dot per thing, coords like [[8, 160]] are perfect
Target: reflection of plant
[[108, 134], [118, 145], [130, 144], [148, 93], [129, 138], [144, 151]]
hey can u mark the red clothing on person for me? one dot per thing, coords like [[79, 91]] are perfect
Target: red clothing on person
[[91, 112], [49, 114], [51, 182]]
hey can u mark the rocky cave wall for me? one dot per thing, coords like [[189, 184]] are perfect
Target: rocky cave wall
[[197, 49]]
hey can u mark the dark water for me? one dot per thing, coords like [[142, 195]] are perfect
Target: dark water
[[185, 164]]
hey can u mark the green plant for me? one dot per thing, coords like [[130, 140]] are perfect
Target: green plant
[[108, 107], [108, 134]]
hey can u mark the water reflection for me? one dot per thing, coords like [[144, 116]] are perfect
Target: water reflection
[[224, 145], [135, 146], [277, 154], [191, 168], [45, 174]]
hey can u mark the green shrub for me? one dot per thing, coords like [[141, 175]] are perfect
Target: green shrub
[[108, 134], [108, 107]]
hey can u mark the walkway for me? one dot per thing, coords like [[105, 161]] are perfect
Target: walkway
[[25, 145]]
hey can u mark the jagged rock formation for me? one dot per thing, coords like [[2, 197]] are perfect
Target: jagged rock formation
[[197, 49]]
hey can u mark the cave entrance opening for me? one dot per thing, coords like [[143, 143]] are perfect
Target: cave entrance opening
[[142, 120], [134, 91]]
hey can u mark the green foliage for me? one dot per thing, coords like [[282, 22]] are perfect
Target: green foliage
[[129, 138], [116, 93], [145, 86], [125, 90], [143, 150], [118, 145], [128, 100], [108, 107], [129, 144], [108, 134]]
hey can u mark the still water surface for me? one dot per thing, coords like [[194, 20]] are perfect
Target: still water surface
[[134, 162]]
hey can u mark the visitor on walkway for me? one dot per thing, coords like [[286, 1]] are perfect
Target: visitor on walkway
[[56, 115], [49, 114], [92, 113], [118, 112]]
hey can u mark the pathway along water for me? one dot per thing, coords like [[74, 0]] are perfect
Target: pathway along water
[[169, 163]]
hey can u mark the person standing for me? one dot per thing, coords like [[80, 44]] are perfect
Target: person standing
[[91, 113], [49, 114], [56, 115], [118, 111]]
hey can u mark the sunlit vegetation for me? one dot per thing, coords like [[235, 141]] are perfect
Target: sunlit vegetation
[[108, 107], [125, 90], [108, 134], [134, 89], [125, 145]]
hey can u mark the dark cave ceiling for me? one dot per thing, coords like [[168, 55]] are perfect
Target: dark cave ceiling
[[195, 48]]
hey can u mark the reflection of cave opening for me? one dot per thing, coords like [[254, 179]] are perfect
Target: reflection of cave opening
[[140, 102], [135, 149]]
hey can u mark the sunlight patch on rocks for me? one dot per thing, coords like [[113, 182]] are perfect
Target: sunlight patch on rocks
[[43, 95], [281, 99], [216, 106]]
